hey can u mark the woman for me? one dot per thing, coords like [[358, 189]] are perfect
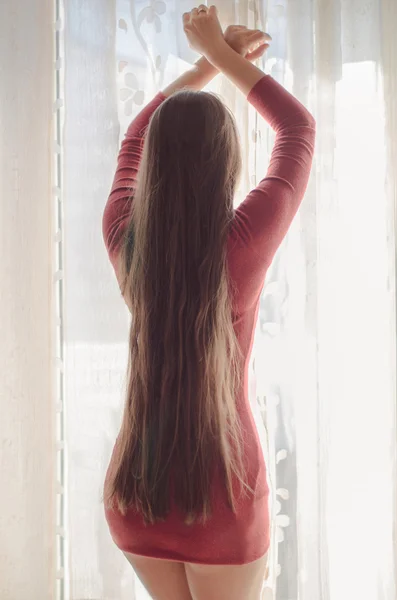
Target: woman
[[186, 491]]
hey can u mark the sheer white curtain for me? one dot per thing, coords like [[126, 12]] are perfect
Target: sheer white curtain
[[27, 405], [323, 368]]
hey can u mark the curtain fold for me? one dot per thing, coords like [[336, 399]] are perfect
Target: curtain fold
[[388, 11], [27, 423]]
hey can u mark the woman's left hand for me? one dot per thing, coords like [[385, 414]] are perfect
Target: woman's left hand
[[250, 43]]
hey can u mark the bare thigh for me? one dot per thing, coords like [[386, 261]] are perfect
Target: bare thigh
[[163, 579], [229, 582]]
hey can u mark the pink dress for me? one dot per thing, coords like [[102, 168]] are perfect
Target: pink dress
[[260, 224]]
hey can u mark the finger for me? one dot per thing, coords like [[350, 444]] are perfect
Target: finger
[[258, 36], [186, 18], [202, 8], [257, 53], [235, 29], [213, 11]]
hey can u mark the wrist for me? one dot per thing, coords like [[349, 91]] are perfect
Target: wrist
[[220, 52], [204, 66]]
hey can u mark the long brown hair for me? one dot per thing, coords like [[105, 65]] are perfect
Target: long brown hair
[[180, 419]]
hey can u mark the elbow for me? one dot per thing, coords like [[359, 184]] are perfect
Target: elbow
[[313, 128], [303, 119], [310, 125], [107, 228], [309, 120], [312, 122], [105, 224]]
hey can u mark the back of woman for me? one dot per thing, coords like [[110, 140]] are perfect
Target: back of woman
[[186, 491]]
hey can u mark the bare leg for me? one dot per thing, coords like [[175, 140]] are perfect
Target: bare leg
[[163, 579], [211, 582]]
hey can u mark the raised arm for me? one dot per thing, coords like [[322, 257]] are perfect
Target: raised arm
[[118, 207], [266, 214], [263, 219]]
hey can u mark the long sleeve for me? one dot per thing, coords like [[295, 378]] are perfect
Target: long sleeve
[[118, 206], [263, 218]]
